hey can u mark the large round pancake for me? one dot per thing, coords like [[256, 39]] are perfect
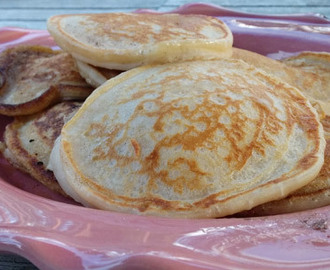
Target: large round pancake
[[29, 141], [191, 140], [35, 77], [308, 71], [126, 40]]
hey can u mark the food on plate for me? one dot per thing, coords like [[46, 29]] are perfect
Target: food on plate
[[308, 71], [201, 130], [35, 77], [126, 40], [30, 139], [197, 139], [95, 76]]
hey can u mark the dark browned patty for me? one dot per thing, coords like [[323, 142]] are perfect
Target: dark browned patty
[[35, 77], [29, 141]]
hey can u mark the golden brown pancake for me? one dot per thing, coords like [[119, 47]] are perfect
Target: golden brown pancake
[[35, 77], [190, 140], [310, 78], [126, 40], [95, 76], [30, 139]]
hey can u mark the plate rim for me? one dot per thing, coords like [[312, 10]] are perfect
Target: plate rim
[[18, 225]]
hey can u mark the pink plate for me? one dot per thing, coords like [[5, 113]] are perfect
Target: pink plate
[[55, 233]]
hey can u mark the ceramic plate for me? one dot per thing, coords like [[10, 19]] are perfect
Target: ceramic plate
[[55, 233]]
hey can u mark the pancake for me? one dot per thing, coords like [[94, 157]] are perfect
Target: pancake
[[317, 83], [310, 61], [125, 40], [95, 76], [35, 77], [198, 139], [309, 72], [30, 139]]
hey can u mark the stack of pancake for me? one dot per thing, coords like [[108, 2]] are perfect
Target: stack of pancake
[[180, 123], [41, 89]]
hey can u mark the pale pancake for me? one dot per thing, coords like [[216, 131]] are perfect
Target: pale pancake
[[35, 77], [189, 140], [30, 139], [316, 66], [126, 40], [95, 76], [309, 72]]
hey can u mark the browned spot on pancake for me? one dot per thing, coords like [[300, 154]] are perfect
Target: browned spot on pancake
[[108, 73], [326, 126], [154, 201], [325, 171], [136, 147], [307, 161], [50, 124]]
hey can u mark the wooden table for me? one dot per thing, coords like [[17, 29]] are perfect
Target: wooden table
[[34, 13]]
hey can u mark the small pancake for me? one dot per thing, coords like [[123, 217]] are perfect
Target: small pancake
[[95, 76], [30, 139], [189, 140], [309, 72], [35, 77], [122, 41]]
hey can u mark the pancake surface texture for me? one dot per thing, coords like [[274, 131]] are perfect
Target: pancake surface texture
[[126, 40], [315, 69], [191, 140], [35, 77], [29, 141], [308, 71]]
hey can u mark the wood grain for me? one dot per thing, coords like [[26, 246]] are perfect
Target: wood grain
[[34, 13]]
